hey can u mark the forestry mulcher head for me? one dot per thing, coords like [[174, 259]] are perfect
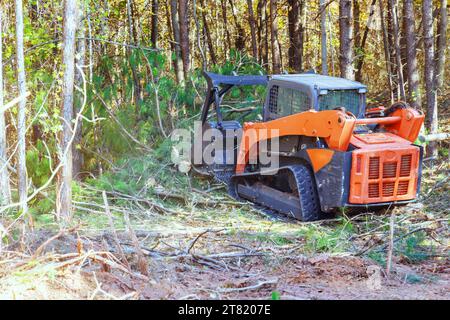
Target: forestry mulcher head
[[331, 150]]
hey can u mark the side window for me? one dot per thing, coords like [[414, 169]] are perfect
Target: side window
[[287, 101], [284, 101], [300, 102]]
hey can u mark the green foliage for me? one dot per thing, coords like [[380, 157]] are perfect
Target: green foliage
[[322, 239], [276, 295], [378, 257], [413, 247], [38, 163]]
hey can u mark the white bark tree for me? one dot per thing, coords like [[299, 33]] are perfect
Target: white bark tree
[[64, 198], [346, 40], [323, 37], [429, 70], [5, 193], [21, 127]]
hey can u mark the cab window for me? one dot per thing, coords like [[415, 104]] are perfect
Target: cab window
[[286, 101], [350, 99]]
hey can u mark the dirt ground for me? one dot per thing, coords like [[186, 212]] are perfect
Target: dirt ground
[[78, 271]]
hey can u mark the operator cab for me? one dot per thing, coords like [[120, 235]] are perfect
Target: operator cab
[[291, 94]]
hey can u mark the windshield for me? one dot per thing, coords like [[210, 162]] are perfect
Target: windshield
[[349, 99]]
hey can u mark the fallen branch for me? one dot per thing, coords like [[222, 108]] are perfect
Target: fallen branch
[[142, 261], [256, 286], [50, 240], [113, 230]]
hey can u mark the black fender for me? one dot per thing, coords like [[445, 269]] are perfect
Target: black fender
[[332, 180]]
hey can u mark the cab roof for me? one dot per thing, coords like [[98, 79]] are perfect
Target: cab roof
[[319, 81]]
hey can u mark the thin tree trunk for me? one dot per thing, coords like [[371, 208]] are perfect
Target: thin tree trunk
[[176, 38], [323, 37], [276, 59], [133, 41], [441, 45], [295, 50], [225, 25], [429, 69], [154, 23], [184, 35], [345, 38], [80, 61], [91, 44], [211, 49], [252, 23], [197, 31], [5, 191], [356, 28], [391, 47], [360, 54], [64, 198], [240, 39], [411, 56], [260, 13], [332, 51], [266, 36], [398, 54], [21, 129], [387, 55]]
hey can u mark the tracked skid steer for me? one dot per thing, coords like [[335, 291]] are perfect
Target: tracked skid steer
[[317, 147]]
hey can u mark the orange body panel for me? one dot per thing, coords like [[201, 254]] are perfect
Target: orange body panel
[[320, 157], [384, 169], [335, 126], [409, 126]]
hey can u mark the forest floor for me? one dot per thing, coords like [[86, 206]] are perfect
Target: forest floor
[[158, 234], [207, 246]]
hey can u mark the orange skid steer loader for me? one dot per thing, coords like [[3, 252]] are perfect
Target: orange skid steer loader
[[331, 152]]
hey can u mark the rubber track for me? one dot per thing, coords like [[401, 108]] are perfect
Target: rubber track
[[305, 184]]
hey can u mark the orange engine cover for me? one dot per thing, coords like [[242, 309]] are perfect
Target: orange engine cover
[[385, 168]]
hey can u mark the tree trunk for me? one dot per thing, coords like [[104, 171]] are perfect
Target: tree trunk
[[441, 45], [323, 37], [176, 39], [64, 198], [295, 51], [80, 61], [200, 44], [154, 23], [225, 24], [430, 90], [184, 35], [411, 56], [5, 191], [398, 54], [212, 52], [21, 128], [360, 51], [391, 47], [276, 59], [356, 28], [260, 12], [387, 55], [252, 22], [240, 39], [133, 41], [345, 39]]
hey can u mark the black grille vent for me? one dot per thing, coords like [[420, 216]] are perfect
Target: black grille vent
[[273, 98]]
